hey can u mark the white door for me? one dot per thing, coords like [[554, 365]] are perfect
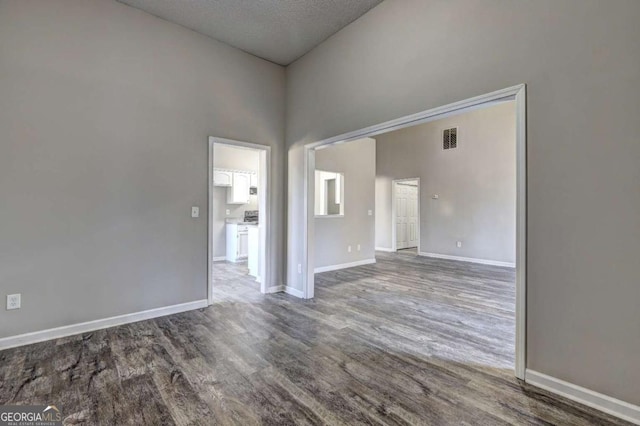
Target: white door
[[243, 244], [412, 216], [406, 216]]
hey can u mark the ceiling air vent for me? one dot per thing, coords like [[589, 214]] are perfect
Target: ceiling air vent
[[450, 138]]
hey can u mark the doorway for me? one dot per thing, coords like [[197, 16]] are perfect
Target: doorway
[[405, 214], [239, 215], [516, 93]]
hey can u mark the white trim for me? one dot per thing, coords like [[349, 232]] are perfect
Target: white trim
[[219, 258], [276, 289], [386, 249], [344, 265], [264, 201], [521, 232], [468, 259], [294, 292], [308, 236], [515, 92], [84, 327], [394, 236], [599, 401]]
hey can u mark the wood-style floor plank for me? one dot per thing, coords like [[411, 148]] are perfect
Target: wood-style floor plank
[[405, 341]]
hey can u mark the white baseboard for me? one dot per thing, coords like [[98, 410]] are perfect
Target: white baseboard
[[219, 258], [343, 265], [604, 403], [388, 250], [468, 259], [294, 292], [276, 289], [84, 327]]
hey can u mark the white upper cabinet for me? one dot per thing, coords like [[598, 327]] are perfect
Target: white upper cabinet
[[222, 178], [239, 191]]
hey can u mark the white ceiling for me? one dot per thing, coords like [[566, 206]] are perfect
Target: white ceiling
[[280, 31]]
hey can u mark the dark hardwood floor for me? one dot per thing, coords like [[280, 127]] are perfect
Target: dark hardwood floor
[[405, 341]]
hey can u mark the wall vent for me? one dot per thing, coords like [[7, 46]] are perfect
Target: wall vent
[[450, 138]]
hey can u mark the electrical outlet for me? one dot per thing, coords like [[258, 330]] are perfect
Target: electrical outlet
[[370, 212], [228, 212], [459, 244], [13, 301], [349, 249], [299, 268], [195, 211], [358, 247]]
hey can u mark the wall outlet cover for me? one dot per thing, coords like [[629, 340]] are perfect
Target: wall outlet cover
[[13, 301]]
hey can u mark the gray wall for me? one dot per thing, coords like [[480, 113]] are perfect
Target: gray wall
[[357, 160], [104, 117], [232, 158], [475, 183], [580, 61]]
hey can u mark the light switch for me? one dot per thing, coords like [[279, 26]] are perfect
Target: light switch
[[435, 196], [195, 211]]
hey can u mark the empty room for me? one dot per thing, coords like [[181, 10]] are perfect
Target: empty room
[[398, 212], [437, 255]]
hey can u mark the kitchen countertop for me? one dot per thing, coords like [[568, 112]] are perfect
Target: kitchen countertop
[[238, 222]]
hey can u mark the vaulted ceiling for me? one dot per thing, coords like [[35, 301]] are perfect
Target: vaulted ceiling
[[280, 31]]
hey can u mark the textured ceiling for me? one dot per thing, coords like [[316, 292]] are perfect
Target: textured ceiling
[[280, 31]]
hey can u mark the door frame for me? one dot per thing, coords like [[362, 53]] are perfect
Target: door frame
[[394, 236], [517, 93], [264, 205]]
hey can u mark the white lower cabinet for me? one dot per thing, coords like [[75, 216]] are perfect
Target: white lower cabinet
[[237, 242]]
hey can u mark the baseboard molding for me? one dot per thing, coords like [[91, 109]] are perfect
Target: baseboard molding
[[219, 258], [84, 327], [294, 292], [601, 402], [276, 289], [388, 250], [468, 259], [344, 265]]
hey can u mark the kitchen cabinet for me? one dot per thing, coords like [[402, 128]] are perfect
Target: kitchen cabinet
[[237, 242], [222, 178], [238, 193]]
